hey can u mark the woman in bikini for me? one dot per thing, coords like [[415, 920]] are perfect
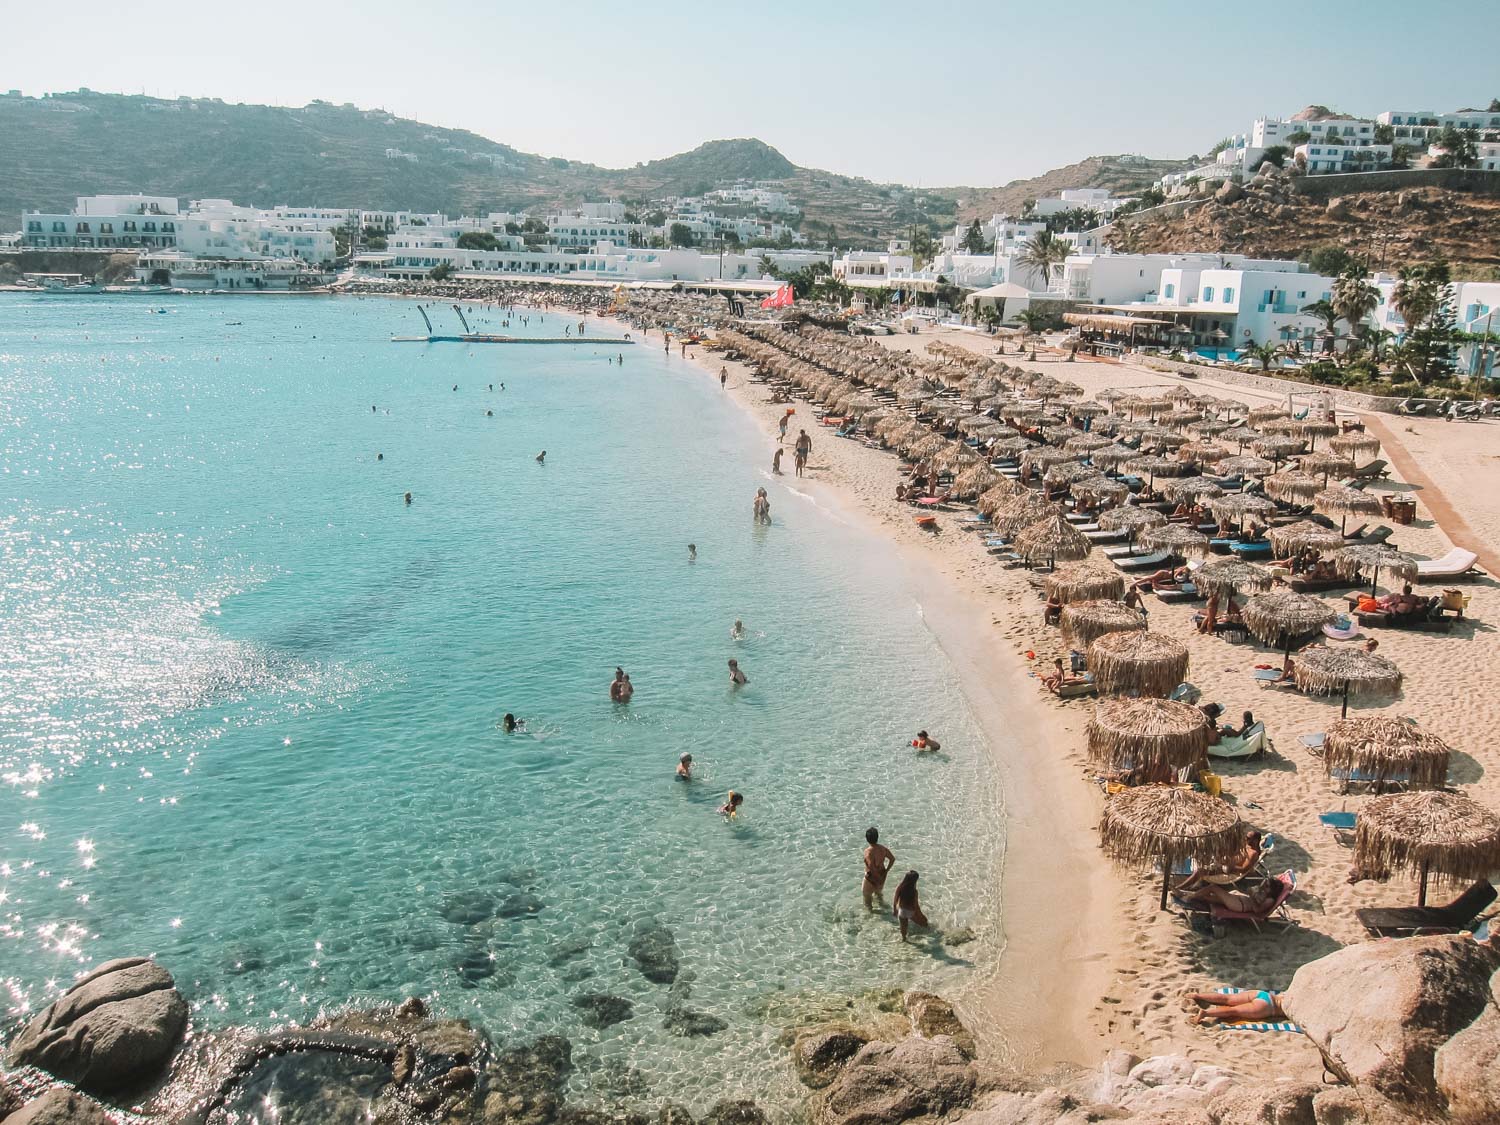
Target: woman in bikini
[[1236, 1007], [905, 904]]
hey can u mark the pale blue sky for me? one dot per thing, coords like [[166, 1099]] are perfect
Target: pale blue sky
[[921, 92]]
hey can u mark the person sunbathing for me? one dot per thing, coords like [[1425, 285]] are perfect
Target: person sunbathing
[[1225, 874], [1247, 720], [1183, 511], [1165, 579], [1058, 679], [1236, 1007], [1257, 901]]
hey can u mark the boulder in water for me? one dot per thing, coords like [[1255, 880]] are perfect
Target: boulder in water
[[59, 1106], [730, 1112], [468, 908], [522, 904], [688, 1023], [932, 1016], [601, 1010], [112, 1030], [887, 1083], [820, 1054], [654, 950]]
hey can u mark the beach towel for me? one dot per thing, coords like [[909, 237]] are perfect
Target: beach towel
[[1254, 1025]]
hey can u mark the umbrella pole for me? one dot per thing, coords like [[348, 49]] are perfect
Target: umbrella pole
[[1345, 713], [1422, 894], [1166, 881]]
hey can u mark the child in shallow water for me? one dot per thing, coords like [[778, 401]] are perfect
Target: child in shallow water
[[730, 809]]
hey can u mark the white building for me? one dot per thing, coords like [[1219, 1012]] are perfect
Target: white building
[[1419, 126], [1488, 153], [871, 268], [573, 229], [105, 222], [1322, 157], [1091, 199], [219, 228]]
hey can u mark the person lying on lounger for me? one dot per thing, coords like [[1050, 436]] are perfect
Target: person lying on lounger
[[1236, 1007], [1225, 874], [1246, 722], [1256, 901], [1165, 579]]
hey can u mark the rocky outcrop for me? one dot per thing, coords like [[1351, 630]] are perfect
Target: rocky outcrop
[[1467, 1070], [600, 1010], [932, 1016], [821, 1053], [113, 1030], [1229, 192], [739, 1112], [654, 951], [60, 1106], [1379, 1011]]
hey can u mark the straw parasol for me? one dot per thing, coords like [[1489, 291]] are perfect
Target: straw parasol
[[1021, 512], [1263, 414], [1159, 733], [999, 494], [1144, 662], [1204, 452], [1157, 466], [1178, 539], [1383, 748], [1281, 617], [1041, 457], [1292, 537], [1111, 455], [1324, 671], [1432, 832], [1084, 444], [1278, 449], [1374, 557], [1052, 538], [1244, 466], [1237, 506], [1168, 825], [1130, 518], [1084, 581], [1240, 435], [1191, 488], [1324, 464], [975, 479], [1313, 430], [1100, 490], [1069, 472], [1352, 445], [1086, 621], [1232, 574], [1345, 502], [1291, 487]]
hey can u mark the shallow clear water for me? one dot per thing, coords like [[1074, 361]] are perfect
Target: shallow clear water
[[249, 699]]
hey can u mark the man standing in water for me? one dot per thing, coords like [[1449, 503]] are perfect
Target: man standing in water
[[737, 678], [617, 687], [803, 449], [879, 860], [762, 508], [723, 377], [776, 461]]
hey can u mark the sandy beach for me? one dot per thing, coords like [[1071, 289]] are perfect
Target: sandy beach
[[1090, 962]]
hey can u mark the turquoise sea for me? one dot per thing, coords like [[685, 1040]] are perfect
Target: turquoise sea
[[250, 699]]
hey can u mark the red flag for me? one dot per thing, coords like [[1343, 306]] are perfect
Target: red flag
[[770, 302], [787, 297]]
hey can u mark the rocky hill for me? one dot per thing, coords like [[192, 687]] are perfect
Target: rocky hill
[[1269, 220], [1122, 175]]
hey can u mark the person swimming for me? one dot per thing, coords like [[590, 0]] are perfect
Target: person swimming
[[408, 499], [510, 724], [617, 686], [685, 768], [924, 742], [737, 630], [737, 678], [692, 552], [380, 456], [541, 458], [730, 809]]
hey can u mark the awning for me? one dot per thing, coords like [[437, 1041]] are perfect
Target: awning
[[1110, 321], [1006, 290]]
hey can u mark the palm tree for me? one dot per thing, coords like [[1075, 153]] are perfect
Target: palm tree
[[1414, 298], [1035, 321], [1267, 353], [1354, 298], [1325, 312], [1043, 251]]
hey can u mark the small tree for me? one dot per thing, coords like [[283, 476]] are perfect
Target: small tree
[[1385, 135], [477, 240], [1299, 137], [1277, 155], [678, 234], [974, 241], [440, 272], [1330, 260], [1460, 148]]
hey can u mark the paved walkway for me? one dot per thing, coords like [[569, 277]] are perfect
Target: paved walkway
[[1454, 526]]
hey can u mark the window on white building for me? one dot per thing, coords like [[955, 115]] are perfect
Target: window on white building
[[1229, 293], [1171, 290], [1208, 292]]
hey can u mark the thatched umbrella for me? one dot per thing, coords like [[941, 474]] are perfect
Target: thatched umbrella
[[1204, 452], [926, 445], [1433, 832], [1052, 538], [977, 478], [1314, 430], [1084, 581], [1278, 449], [1087, 621], [1237, 506], [999, 494], [1157, 466], [1069, 472], [1177, 538], [1154, 733], [1100, 490], [1191, 489], [1352, 445], [1244, 466], [1373, 557], [1209, 428], [1293, 537], [1282, 617], [1263, 414], [1324, 670], [1021, 512], [1113, 455], [1010, 446], [1383, 748], [1345, 502], [1143, 662], [1240, 435], [1085, 444], [1324, 464], [1130, 518], [1291, 487], [1165, 824], [1041, 457], [1232, 574]]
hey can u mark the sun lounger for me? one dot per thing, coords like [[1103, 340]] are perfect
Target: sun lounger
[[1341, 824], [1455, 564], [1275, 912], [1372, 471], [1186, 592], [1379, 535], [1123, 551], [1313, 742], [1304, 585], [1355, 533], [1266, 675], [1251, 550], [1406, 921], [1252, 745], [1076, 689], [1153, 561], [1107, 536]]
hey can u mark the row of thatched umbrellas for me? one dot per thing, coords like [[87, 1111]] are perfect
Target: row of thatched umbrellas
[[1427, 831]]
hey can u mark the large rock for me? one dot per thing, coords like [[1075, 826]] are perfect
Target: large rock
[[1342, 1105], [821, 1053], [113, 1030], [1379, 1011], [654, 950], [525, 1083], [887, 1083], [1163, 1070], [60, 1106], [1467, 1070], [1229, 192], [1282, 1103], [932, 1016], [734, 1113], [600, 1009], [10, 1101]]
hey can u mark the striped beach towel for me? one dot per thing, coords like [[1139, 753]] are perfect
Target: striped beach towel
[[1249, 1025]]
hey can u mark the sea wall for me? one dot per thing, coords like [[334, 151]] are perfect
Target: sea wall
[[1474, 180]]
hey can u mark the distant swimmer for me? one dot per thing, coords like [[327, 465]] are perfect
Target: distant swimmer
[[776, 462], [737, 677], [685, 768], [502, 386], [730, 809], [692, 552], [455, 386], [627, 689], [541, 458], [925, 742], [372, 410], [622, 356], [492, 386], [737, 630], [762, 508], [408, 499], [617, 685], [510, 724], [489, 413], [723, 376], [380, 456]]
